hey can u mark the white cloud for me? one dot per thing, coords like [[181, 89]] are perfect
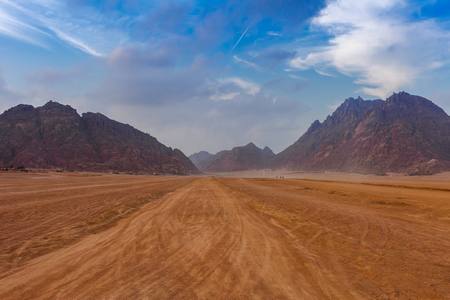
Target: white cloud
[[323, 73], [226, 89], [374, 42], [38, 22], [248, 87], [76, 43], [274, 33], [246, 63], [224, 96], [12, 26]]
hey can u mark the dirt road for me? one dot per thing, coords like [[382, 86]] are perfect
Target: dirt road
[[216, 238]]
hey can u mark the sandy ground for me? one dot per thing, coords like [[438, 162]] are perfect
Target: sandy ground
[[436, 180], [112, 236]]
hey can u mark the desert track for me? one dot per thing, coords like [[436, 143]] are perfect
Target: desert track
[[223, 238]]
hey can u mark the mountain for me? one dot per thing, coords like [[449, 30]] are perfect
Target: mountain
[[56, 136], [201, 159], [405, 133], [248, 157]]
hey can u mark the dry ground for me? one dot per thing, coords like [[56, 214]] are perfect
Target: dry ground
[[88, 236]]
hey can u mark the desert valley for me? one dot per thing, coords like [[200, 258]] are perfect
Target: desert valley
[[195, 149], [242, 228]]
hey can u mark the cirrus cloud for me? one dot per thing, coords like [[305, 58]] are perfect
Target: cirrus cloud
[[42, 23]]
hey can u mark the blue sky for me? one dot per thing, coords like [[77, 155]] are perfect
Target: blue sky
[[209, 75]]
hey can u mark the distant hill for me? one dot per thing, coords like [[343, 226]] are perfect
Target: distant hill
[[405, 133], [56, 136], [201, 159], [248, 157]]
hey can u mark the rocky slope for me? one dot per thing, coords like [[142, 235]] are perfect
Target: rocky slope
[[201, 159], [405, 133], [248, 157], [56, 136]]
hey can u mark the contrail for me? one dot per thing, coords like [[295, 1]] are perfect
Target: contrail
[[240, 38]]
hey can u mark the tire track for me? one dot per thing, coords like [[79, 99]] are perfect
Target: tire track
[[197, 242], [234, 239]]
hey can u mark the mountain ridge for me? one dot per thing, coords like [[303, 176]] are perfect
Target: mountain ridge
[[56, 136], [247, 157], [404, 133]]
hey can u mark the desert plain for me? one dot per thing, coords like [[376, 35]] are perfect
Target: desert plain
[[239, 236]]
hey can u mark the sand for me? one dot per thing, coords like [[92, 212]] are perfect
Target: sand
[[88, 236]]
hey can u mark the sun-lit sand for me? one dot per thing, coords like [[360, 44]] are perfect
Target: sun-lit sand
[[332, 236]]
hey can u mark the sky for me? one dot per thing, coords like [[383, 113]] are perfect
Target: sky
[[211, 75]]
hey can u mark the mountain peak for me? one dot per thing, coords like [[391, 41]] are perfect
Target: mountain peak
[[402, 97], [202, 153], [353, 109], [374, 136], [201, 159], [316, 124], [267, 151], [248, 157], [250, 145], [413, 103], [400, 94], [54, 106], [354, 100]]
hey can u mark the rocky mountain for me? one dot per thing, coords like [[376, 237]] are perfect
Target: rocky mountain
[[201, 159], [56, 136], [248, 157], [405, 133]]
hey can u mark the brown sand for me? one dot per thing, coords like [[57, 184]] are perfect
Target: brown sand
[[89, 237]]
